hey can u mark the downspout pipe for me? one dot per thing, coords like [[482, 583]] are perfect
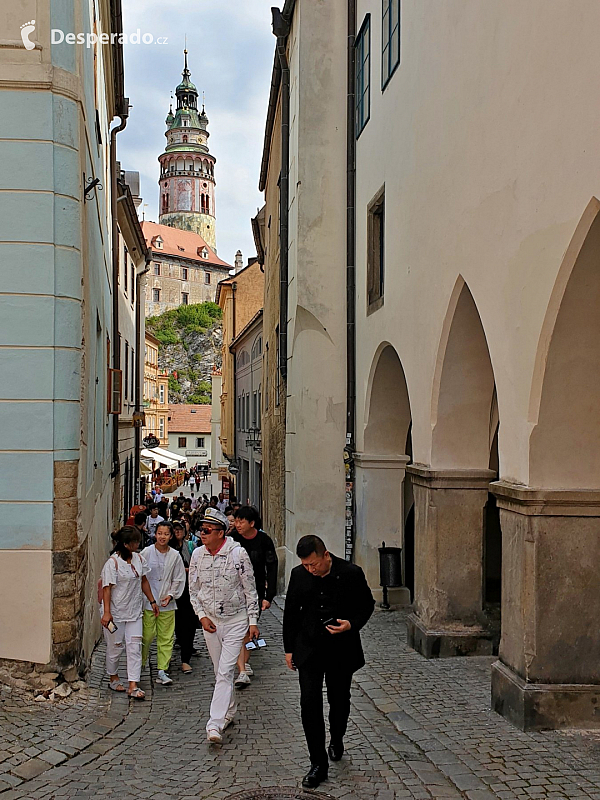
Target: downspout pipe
[[123, 113], [139, 327], [281, 27], [351, 266]]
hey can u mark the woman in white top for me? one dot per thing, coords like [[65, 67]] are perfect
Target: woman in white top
[[124, 583], [167, 581]]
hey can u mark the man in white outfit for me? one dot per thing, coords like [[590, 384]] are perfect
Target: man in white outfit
[[223, 595]]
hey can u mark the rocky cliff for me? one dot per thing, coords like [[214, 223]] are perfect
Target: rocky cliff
[[190, 346]]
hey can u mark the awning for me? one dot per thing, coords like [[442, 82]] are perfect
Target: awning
[[168, 454], [166, 462], [145, 469], [164, 457]]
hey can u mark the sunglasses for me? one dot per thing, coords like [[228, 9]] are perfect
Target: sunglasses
[[209, 530]]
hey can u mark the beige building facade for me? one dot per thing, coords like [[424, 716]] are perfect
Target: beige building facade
[[476, 229], [156, 394]]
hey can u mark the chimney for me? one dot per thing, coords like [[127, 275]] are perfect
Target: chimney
[[239, 261]]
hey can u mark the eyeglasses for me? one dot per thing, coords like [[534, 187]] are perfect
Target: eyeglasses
[[208, 530]]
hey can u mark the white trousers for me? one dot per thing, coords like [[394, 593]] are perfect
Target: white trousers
[[224, 648], [130, 635]]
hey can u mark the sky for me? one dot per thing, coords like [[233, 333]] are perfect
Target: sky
[[230, 55]]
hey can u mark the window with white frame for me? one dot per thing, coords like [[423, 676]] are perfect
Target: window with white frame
[[199, 441]]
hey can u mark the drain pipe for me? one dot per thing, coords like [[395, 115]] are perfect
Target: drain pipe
[[281, 28], [351, 278], [123, 113], [139, 278]]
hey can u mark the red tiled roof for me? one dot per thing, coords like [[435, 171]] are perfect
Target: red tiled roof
[[184, 244], [189, 418]]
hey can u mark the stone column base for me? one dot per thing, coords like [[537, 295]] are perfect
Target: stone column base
[[450, 642], [544, 706], [398, 596]]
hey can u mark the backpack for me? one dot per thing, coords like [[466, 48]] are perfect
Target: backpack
[[101, 588]]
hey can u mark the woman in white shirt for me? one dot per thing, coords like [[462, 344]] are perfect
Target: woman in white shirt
[[167, 582], [124, 582]]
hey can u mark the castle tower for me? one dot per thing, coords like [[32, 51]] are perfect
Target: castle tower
[[187, 169]]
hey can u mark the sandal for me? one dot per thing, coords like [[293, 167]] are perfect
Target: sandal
[[186, 668], [137, 694], [116, 685]]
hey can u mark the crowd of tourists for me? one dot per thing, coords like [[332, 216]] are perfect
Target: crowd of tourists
[[205, 563]]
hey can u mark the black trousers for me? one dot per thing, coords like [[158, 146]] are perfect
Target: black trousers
[[186, 623], [337, 680]]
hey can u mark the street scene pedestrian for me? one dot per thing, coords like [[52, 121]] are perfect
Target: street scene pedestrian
[[167, 582], [259, 546], [153, 520], [223, 595], [124, 583], [327, 603], [186, 621]]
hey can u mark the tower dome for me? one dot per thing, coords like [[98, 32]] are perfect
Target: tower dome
[[187, 168]]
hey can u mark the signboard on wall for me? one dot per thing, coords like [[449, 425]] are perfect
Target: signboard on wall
[[196, 452]]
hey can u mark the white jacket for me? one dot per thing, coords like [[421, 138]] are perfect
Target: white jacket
[[173, 579], [222, 587]]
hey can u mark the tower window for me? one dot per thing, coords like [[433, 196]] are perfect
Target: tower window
[[156, 268], [156, 295], [185, 298], [207, 277], [184, 273], [165, 203], [184, 138]]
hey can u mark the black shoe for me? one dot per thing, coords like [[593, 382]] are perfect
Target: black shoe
[[314, 776], [335, 751]]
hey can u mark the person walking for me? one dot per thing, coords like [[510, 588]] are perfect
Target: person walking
[[186, 622], [328, 601], [223, 595], [192, 482], [124, 583], [259, 546], [167, 581]]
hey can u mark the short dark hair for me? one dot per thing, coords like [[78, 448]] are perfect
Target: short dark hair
[[140, 518], [250, 514], [308, 545]]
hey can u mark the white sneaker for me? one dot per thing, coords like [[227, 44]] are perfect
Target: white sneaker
[[228, 721], [213, 735], [242, 679], [249, 670], [163, 678]]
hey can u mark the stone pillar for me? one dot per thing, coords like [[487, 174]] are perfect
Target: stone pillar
[[448, 617], [69, 567], [548, 674], [379, 515]]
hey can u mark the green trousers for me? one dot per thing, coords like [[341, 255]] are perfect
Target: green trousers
[[163, 628]]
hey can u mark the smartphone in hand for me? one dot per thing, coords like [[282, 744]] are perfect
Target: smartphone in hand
[[111, 627]]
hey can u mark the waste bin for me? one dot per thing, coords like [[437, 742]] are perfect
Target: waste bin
[[390, 570]]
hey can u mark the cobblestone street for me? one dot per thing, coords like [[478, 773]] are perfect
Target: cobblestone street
[[419, 729]]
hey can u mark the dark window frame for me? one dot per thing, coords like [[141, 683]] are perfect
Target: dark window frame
[[363, 67], [181, 442], [376, 251], [388, 66]]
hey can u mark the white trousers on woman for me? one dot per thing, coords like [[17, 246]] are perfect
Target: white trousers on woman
[[130, 635], [224, 647]]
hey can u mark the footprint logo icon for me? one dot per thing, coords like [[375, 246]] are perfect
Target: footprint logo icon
[[27, 29]]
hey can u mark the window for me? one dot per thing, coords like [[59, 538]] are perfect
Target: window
[[363, 75], [259, 420], [132, 373], [375, 251], [182, 441], [125, 274], [390, 40], [184, 298], [161, 394], [277, 369], [156, 295], [156, 268], [207, 278], [185, 138], [161, 428], [247, 412], [199, 441], [266, 376], [126, 386], [184, 274], [132, 284]]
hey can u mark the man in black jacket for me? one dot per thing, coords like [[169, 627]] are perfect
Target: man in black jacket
[[328, 601], [259, 546]]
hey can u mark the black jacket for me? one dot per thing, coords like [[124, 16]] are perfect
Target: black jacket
[[264, 562], [310, 601]]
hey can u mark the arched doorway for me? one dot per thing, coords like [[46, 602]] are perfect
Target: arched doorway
[[548, 675], [452, 493], [381, 467]]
